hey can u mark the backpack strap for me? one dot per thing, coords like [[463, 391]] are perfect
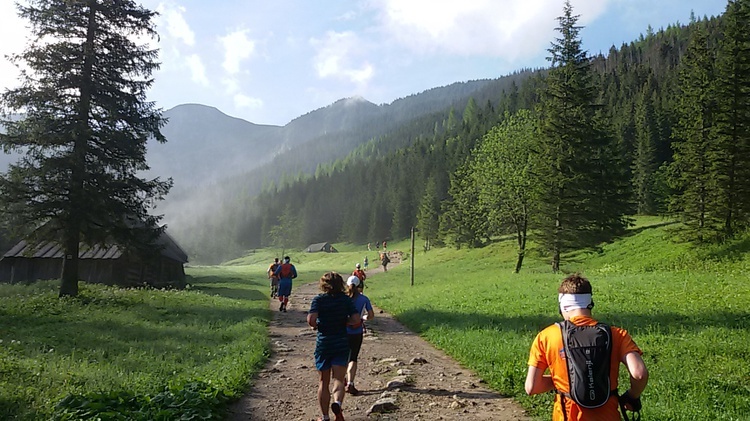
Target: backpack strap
[[564, 333]]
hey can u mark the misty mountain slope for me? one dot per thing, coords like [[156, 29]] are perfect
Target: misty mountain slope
[[215, 211], [204, 145], [343, 115]]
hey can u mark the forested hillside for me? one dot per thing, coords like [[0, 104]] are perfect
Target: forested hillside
[[211, 219], [636, 124]]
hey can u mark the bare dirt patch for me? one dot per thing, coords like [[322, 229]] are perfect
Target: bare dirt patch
[[436, 388]]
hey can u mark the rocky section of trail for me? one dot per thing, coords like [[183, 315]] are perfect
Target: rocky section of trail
[[400, 375]]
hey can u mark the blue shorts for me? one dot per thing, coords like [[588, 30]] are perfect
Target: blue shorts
[[285, 287], [323, 363]]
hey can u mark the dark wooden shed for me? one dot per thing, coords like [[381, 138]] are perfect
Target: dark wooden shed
[[324, 247], [108, 264]]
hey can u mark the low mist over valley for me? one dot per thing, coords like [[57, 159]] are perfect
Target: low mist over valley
[[219, 162]]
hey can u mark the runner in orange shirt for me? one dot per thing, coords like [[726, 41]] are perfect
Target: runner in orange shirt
[[547, 352]]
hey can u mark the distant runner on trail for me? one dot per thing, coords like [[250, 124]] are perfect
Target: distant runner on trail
[[286, 272], [330, 313], [384, 260], [365, 262], [593, 360], [360, 274], [274, 279], [356, 333]]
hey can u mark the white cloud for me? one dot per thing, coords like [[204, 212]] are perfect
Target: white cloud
[[237, 48], [502, 28], [244, 101], [13, 33], [197, 69], [231, 85], [336, 55], [346, 16], [171, 17]]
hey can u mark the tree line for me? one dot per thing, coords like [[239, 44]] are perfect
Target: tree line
[[657, 126], [564, 154]]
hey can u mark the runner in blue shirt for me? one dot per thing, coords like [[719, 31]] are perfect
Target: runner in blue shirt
[[330, 313], [356, 332]]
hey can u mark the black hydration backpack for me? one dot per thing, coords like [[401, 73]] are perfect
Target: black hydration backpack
[[588, 351]]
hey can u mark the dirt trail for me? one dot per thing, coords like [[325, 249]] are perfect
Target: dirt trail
[[437, 389]]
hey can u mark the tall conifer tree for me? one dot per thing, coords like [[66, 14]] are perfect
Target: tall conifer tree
[[428, 222], [644, 162], [695, 143], [85, 126], [733, 118], [580, 176]]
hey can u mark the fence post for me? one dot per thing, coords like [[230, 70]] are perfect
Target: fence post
[[412, 256]]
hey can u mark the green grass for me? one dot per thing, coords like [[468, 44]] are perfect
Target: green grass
[[687, 309], [134, 352], [130, 341]]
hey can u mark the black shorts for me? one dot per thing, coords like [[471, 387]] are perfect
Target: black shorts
[[355, 344]]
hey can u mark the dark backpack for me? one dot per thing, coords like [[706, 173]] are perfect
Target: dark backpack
[[286, 271], [588, 352]]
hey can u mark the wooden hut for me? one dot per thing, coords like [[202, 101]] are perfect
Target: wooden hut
[[321, 247], [107, 264]]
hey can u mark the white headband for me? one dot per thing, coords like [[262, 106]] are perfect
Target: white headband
[[570, 302]]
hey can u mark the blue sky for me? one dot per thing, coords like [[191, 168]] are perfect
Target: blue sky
[[269, 62]]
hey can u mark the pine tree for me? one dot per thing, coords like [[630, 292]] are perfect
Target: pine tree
[[85, 127], [580, 175], [470, 119], [695, 142], [463, 221], [644, 164], [733, 118], [428, 222]]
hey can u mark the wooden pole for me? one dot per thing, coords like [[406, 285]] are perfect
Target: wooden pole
[[412, 256]]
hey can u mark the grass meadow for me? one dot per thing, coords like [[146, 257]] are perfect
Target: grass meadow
[[131, 353], [142, 353], [687, 310]]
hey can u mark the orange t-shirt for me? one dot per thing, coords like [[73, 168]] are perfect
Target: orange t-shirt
[[547, 352]]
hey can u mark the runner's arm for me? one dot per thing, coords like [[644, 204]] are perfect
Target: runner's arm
[[312, 320], [370, 313], [638, 373], [537, 381]]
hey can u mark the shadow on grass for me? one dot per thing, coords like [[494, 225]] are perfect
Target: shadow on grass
[[177, 330], [234, 293], [633, 231], [421, 320], [732, 251], [12, 410]]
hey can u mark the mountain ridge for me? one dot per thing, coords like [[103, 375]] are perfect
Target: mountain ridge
[[205, 145]]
